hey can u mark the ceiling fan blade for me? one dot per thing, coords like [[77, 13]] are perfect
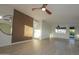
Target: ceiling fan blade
[[48, 11], [35, 9], [44, 5]]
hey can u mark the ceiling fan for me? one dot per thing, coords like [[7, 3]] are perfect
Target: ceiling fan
[[43, 8]]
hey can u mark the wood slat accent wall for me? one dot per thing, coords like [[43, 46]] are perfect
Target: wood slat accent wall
[[19, 21]]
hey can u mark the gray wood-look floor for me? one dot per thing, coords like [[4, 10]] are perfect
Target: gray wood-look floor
[[42, 47]]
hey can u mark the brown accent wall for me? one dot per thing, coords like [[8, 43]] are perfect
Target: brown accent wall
[[19, 21]]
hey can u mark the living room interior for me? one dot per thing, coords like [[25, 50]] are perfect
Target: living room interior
[[39, 29]]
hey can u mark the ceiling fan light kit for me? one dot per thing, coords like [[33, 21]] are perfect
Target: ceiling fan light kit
[[43, 9]]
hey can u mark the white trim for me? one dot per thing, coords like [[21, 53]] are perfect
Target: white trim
[[16, 43], [21, 42]]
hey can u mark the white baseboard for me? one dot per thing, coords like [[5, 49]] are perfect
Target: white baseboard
[[21, 42], [16, 43]]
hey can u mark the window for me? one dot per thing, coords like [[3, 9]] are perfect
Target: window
[[60, 29], [63, 31], [37, 33]]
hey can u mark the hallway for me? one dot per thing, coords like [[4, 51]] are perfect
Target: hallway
[[42, 47]]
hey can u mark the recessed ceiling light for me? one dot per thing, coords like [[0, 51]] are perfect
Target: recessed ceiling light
[[43, 9], [1, 17]]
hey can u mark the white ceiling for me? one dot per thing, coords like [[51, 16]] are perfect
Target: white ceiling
[[61, 13], [5, 10]]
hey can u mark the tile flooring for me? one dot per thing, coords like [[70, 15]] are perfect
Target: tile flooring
[[42, 47]]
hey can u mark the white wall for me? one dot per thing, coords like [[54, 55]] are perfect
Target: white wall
[[37, 26], [45, 30], [77, 32], [5, 39]]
